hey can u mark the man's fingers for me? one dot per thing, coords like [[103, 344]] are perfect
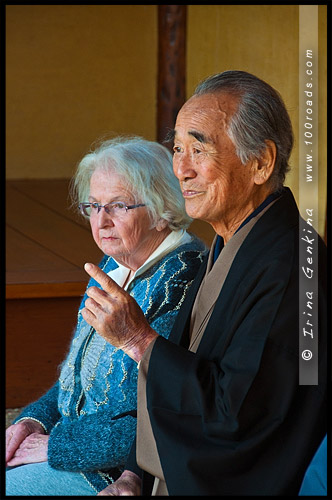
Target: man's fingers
[[97, 308], [97, 295], [105, 281], [89, 317]]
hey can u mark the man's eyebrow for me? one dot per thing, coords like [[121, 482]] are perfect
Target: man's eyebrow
[[171, 134], [199, 136]]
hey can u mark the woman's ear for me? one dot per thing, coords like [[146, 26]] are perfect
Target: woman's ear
[[264, 165], [161, 224]]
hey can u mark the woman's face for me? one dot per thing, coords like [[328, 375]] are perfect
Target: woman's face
[[127, 237]]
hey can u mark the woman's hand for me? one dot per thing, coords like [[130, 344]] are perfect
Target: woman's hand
[[128, 484], [33, 449], [16, 434]]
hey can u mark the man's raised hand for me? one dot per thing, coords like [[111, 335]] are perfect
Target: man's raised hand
[[116, 316]]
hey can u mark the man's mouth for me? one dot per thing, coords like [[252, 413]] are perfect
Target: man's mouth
[[191, 193]]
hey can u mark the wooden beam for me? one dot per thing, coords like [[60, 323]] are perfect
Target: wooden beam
[[172, 21], [325, 233], [45, 290]]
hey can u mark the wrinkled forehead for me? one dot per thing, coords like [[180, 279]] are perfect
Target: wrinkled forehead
[[209, 114]]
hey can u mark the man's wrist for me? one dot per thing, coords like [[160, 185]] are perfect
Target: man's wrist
[[137, 346]]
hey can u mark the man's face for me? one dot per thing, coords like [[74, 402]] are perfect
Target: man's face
[[216, 186]]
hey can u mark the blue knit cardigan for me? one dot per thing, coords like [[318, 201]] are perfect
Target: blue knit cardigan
[[90, 412]]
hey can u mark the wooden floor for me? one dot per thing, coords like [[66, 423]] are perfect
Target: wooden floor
[[47, 245]]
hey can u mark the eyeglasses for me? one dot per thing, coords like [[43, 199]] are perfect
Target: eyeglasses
[[115, 209]]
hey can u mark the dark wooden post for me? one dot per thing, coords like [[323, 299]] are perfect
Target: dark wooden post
[[171, 65]]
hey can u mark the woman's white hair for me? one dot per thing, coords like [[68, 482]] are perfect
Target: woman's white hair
[[147, 170]]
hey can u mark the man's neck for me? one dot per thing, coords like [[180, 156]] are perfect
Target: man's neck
[[226, 232]]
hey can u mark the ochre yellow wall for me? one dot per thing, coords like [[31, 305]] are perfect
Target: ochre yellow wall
[[77, 73], [74, 74], [263, 40]]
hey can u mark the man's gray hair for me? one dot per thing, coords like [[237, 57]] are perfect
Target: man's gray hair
[[147, 171], [261, 116]]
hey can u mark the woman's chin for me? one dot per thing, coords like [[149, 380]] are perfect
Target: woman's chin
[[111, 249]]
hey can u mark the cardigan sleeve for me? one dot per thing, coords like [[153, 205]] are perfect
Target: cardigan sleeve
[[44, 410], [93, 442]]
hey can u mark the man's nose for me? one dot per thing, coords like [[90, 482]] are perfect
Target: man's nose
[[183, 167]]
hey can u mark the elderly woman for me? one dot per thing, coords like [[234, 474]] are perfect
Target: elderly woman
[[75, 439]]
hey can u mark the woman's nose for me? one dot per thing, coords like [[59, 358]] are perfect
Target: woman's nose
[[104, 219]]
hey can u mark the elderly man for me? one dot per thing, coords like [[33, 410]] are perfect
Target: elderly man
[[220, 410]]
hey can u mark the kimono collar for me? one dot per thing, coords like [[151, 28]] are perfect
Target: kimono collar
[[220, 241]]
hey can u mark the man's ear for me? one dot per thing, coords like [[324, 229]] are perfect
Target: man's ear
[[264, 165]]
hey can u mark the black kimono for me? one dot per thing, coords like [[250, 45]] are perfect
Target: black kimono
[[232, 419]]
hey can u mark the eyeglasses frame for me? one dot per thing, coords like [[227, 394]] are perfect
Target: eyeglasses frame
[[99, 207]]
